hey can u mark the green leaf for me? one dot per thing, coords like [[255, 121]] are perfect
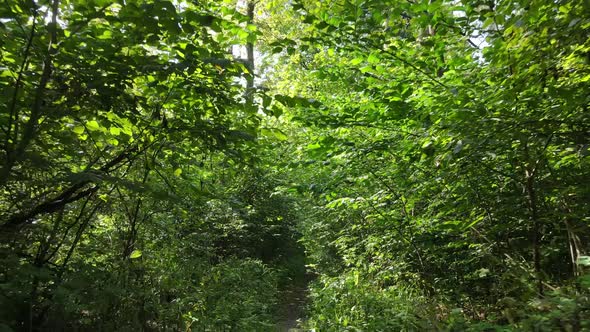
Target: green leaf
[[92, 125], [356, 61], [373, 58], [177, 172], [280, 135], [366, 69], [276, 133], [7, 73], [135, 254], [427, 144], [314, 146], [243, 34], [106, 35], [78, 130], [115, 131], [483, 272]]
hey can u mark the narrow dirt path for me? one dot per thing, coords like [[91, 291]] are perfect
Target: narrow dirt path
[[292, 308]]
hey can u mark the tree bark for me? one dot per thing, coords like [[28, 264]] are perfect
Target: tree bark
[[250, 57]]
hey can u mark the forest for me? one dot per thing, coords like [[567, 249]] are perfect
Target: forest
[[294, 165]]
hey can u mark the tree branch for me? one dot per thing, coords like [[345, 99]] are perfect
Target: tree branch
[[70, 195]]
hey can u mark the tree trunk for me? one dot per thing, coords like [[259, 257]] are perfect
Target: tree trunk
[[250, 57]]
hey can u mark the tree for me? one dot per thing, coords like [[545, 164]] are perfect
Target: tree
[[430, 158], [436, 161], [116, 126]]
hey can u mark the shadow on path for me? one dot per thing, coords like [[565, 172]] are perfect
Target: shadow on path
[[292, 307]]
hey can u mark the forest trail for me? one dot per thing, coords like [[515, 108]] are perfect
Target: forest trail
[[292, 308], [294, 165]]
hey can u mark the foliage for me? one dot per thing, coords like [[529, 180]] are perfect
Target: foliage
[[446, 141], [430, 158], [239, 295], [123, 124], [352, 302]]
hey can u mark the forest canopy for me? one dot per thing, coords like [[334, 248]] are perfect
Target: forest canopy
[[262, 165]]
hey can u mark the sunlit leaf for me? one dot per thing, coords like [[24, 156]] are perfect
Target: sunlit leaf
[[135, 254]]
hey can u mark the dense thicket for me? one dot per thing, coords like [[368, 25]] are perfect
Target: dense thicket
[[449, 148], [430, 158], [130, 196]]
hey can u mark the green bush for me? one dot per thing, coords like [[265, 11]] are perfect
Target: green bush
[[351, 302], [235, 295]]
